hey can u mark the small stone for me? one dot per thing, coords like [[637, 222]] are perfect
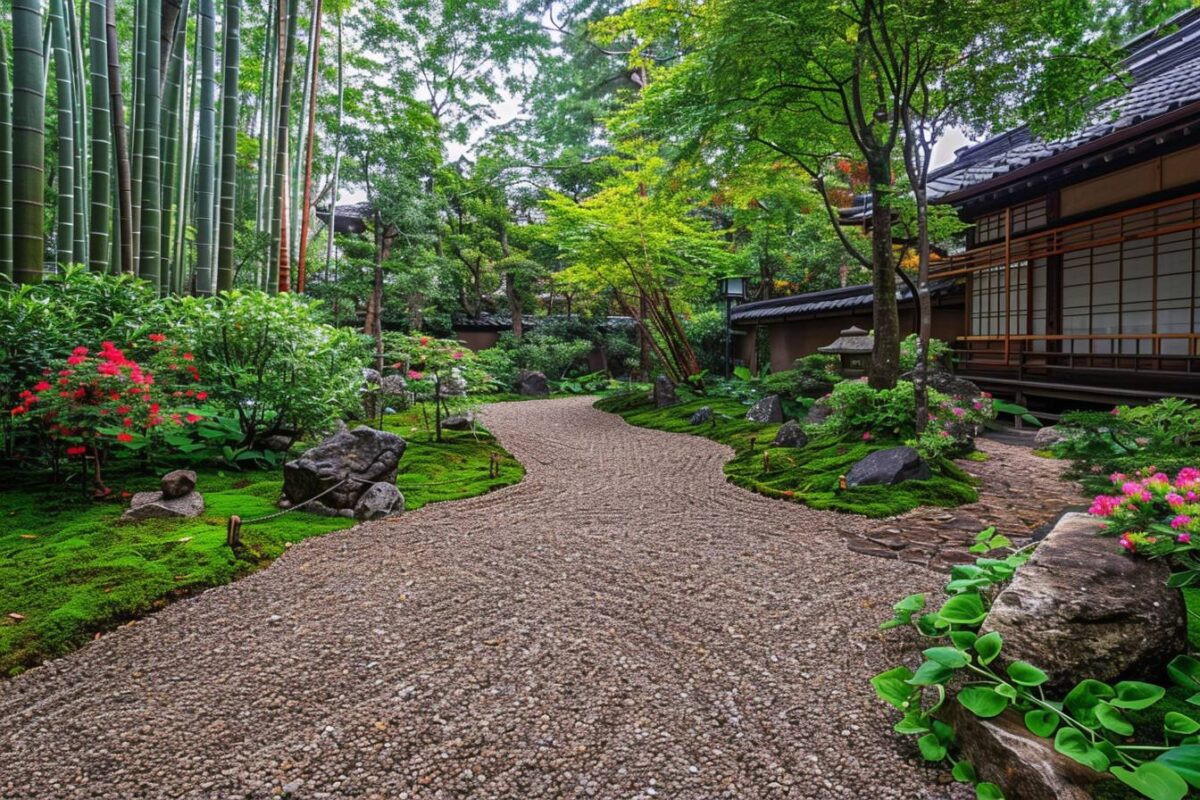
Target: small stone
[[379, 501], [153, 505], [767, 410], [177, 483], [790, 434], [459, 422], [664, 392], [532, 384], [702, 415]]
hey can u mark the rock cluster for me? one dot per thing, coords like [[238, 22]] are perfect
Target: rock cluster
[[346, 467], [178, 498]]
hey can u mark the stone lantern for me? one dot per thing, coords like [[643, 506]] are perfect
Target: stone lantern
[[854, 347]]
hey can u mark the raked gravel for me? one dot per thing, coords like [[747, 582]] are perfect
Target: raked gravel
[[622, 624]]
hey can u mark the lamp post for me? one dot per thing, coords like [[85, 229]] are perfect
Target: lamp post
[[731, 289]]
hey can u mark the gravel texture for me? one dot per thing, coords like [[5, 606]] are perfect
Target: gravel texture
[[623, 624]]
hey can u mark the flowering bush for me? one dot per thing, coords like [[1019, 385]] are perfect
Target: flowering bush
[[436, 369], [91, 405], [1156, 515]]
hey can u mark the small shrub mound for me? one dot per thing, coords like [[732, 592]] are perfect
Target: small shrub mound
[[809, 475]]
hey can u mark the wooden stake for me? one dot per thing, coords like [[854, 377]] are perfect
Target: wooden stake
[[233, 532]]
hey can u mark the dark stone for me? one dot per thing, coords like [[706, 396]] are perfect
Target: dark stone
[[767, 410], [943, 380], [393, 384], [1023, 765], [365, 454], [378, 501], [790, 434], [889, 467], [178, 483], [532, 384], [459, 422], [278, 443], [818, 413], [702, 415], [664, 392], [371, 377], [154, 505], [1082, 608]]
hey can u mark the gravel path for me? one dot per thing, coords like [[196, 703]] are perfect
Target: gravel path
[[623, 624]]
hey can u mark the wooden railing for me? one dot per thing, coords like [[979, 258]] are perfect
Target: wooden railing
[[1048, 354]]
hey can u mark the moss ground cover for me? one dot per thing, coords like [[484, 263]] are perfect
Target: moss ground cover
[[69, 571], [808, 475]]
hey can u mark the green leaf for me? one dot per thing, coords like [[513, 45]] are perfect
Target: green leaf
[[931, 673], [1185, 760], [1136, 695], [1073, 744], [985, 534], [1026, 674], [988, 791], [963, 609], [996, 542], [931, 748], [947, 657], [1081, 702], [1154, 780], [983, 701], [1180, 724], [1194, 699], [1006, 690], [1111, 718], [914, 722], [1041, 722], [893, 687], [967, 584], [1185, 671], [988, 647], [963, 772], [963, 640]]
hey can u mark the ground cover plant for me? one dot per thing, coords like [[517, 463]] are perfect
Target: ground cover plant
[[68, 571], [810, 475]]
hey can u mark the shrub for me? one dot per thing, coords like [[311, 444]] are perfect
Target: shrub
[[1164, 433], [705, 331], [271, 363], [813, 376], [938, 350]]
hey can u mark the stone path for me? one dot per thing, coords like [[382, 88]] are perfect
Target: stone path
[[1020, 494], [623, 624]]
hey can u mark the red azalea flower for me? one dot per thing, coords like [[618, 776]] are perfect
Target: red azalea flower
[[188, 356], [76, 450], [201, 395], [18, 411], [127, 422], [193, 418], [123, 410], [79, 351], [157, 338], [41, 386], [73, 360], [178, 420], [124, 437], [190, 392]]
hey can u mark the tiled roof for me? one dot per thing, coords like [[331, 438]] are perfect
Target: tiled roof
[[844, 299], [1166, 76]]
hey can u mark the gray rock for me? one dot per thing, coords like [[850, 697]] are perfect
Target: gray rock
[[943, 380], [702, 415], [378, 501], [278, 443], [459, 422], [1082, 608], [393, 384], [818, 413], [1023, 765], [532, 384], [767, 410], [664, 392], [178, 483], [889, 467], [154, 505], [371, 377], [364, 454], [1049, 436], [790, 434]]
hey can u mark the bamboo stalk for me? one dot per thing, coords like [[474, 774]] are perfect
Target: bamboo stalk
[[100, 184], [80, 114], [173, 130], [280, 261], [123, 208], [6, 154], [206, 154], [150, 264], [306, 193], [64, 238], [137, 126], [337, 153], [230, 65]]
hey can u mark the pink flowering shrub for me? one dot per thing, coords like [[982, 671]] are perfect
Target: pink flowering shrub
[[1155, 515]]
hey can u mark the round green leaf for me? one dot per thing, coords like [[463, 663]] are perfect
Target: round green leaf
[[1185, 671], [931, 748], [947, 657], [1026, 674], [1111, 718], [1005, 690], [1154, 780], [963, 609], [1073, 744], [931, 673], [1185, 761], [1041, 722], [988, 647], [963, 772], [1135, 695], [1180, 724], [893, 686], [983, 701]]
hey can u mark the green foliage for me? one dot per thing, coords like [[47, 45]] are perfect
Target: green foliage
[[706, 332], [809, 475], [938, 350], [813, 376], [1165, 433]]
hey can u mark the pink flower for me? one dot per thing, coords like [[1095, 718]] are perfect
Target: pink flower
[[1117, 477], [1131, 488], [1116, 412], [978, 406], [457, 355], [1184, 538], [1128, 543], [958, 412], [1104, 505], [866, 436], [413, 375], [1181, 521], [1174, 500]]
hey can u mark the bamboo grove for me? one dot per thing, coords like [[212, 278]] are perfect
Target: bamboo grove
[[119, 136]]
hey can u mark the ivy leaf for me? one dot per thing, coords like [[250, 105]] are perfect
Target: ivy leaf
[[931, 748], [947, 657], [983, 701], [1154, 780], [988, 791], [1026, 674], [1135, 695], [931, 673], [893, 687], [1185, 671], [1180, 724], [963, 609], [1185, 761], [1041, 722], [963, 772], [1073, 744], [988, 647], [1110, 718]]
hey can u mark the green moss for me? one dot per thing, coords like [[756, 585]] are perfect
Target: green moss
[[70, 570], [977, 455], [809, 475]]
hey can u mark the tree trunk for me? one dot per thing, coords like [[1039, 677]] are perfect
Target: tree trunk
[[64, 238], [280, 258], [306, 191], [885, 359]]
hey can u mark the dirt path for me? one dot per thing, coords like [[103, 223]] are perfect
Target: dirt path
[[622, 624]]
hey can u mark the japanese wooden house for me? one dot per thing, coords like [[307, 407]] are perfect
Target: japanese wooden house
[[1082, 267]]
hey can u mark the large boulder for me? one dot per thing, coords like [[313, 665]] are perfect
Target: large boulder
[[178, 483], [767, 410], [378, 501], [1081, 608], [703, 414], [363, 455], [790, 434], [532, 384], [156, 505], [943, 380], [664, 392], [889, 467]]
